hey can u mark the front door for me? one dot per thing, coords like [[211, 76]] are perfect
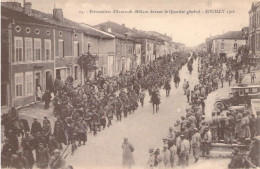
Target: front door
[[38, 79]]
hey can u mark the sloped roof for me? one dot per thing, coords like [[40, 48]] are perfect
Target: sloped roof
[[160, 36], [231, 35], [120, 31], [46, 18]]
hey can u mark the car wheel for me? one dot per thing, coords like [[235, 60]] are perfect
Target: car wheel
[[219, 106]]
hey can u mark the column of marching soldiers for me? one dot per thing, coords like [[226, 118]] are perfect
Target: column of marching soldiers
[[79, 110], [193, 134]]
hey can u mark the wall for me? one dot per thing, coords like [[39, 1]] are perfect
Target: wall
[[228, 46]]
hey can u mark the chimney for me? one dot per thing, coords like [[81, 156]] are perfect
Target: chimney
[[27, 8], [123, 25], [58, 14]]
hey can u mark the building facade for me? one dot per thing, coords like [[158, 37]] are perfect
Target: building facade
[[227, 45], [254, 29], [27, 55]]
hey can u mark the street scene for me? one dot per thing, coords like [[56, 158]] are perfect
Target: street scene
[[79, 94]]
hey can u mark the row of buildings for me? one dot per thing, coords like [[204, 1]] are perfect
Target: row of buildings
[[227, 44], [38, 46]]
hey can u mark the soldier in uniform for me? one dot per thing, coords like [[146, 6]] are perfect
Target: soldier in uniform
[[118, 107], [59, 132], [214, 127], [36, 127], [229, 125], [6, 154], [42, 157], [195, 144], [151, 161], [206, 142]]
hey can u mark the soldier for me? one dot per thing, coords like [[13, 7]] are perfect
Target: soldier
[[173, 151], [166, 157], [238, 118], [6, 154], [82, 126], [184, 151], [46, 131], [245, 130], [52, 144], [56, 161], [59, 132], [42, 157], [206, 142], [188, 95], [214, 127], [22, 159], [13, 140], [229, 125], [27, 150], [109, 115], [171, 137], [141, 97], [36, 127], [237, 160], [119, 107], [195, 144]]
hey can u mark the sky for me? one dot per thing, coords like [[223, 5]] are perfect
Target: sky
[[190, 29]]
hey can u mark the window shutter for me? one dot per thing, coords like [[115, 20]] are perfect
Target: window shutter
[[78, 50], [63, 49]]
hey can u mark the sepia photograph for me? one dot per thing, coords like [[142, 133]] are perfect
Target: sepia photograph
[[130, 84]]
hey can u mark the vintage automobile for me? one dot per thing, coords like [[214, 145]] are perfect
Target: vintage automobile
[[240, 95]]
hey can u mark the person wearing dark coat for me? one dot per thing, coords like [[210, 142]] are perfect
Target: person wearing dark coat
[[42, 157], [36, 127], [47, 99], [237, 160], [59, 132], [13, 139], [16, 162], [27, 150], [6, 154]]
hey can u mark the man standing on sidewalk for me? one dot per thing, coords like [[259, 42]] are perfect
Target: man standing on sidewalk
[[195, 143]]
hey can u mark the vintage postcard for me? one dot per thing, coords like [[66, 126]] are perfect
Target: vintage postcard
[[145, 84]]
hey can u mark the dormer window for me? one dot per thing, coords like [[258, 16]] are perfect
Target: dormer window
[[109, 30]]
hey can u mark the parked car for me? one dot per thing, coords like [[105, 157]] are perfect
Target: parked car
[[240, 95]]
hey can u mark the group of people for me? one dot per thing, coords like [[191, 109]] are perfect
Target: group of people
[[79, 110], [193, 134]]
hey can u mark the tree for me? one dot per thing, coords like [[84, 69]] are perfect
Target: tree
[[87, 63]]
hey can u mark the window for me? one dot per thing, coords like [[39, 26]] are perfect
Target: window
[[222, 45], [18, 84], [18, 49], [28, 30], [29, 83], [122, 49], [235, 46], [48, 32], [76, 73], [75, 49], [61, 48], [18, 29], [60, 34], [117, 48], [47, 44], [37, 31], [37, 49], [28, 49]]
